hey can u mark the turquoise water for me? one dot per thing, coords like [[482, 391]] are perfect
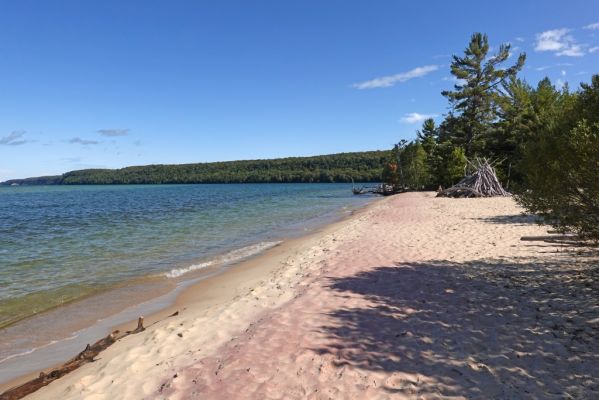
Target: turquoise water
[[63, 243]]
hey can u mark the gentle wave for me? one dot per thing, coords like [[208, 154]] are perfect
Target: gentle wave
[[29, 351], [228, 258], [177, 272]]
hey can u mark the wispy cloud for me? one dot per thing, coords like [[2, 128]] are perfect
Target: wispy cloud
[[593, 49], [574, 51], [592, 26], [560, 42], [85, 142], [113, 132], [544, 67], [519, 39], [414, 117], [391, 80], [15, 138]]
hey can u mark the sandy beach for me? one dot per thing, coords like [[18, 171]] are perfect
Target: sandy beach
[[413, 297]]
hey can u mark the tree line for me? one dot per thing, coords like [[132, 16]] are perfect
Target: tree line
[[343, 167], [544, 138]]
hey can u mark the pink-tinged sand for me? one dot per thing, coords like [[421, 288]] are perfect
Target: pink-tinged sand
[[415, 297]]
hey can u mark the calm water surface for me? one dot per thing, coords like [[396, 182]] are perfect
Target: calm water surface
[[63, 243]]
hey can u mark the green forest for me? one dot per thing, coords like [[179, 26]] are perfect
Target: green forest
[[543, 139], [361, 166]]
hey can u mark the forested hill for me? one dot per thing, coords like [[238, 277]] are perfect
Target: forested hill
[[343, 167]]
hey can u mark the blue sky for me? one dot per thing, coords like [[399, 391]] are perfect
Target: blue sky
[[114, 83]]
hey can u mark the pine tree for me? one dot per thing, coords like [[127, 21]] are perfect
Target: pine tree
[[475, 98], [428, 136]]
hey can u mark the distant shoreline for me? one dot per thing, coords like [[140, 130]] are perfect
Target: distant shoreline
[[364, 166]]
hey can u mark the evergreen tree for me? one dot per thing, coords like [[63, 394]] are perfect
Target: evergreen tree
[[475, 97], [561, 161], [455, 165], [428, 136], [589, 101]]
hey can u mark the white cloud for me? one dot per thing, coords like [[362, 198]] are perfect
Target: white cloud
[[560, 42], [563, 73], [519, 39], [391, 80], [593, 49], [574, 50], [551, 40], [543, 68], [113, 132], [414, 117], [592, 26]]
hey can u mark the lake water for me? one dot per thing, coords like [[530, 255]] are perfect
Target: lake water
[[59, 244]]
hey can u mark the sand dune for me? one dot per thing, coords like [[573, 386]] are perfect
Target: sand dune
[[414, 297]]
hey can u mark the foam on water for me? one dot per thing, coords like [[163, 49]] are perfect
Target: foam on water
[[225, 259]]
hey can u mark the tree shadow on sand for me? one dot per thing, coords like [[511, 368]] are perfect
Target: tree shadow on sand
[[516, 219], [485, 329]]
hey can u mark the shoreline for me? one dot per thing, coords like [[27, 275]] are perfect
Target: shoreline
[[413, 296], [182, 294]]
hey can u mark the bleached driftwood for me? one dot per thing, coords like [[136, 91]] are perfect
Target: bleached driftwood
[[481, 183], [86, 356]]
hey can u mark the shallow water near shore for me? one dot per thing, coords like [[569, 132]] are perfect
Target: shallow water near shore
[[112, 246]]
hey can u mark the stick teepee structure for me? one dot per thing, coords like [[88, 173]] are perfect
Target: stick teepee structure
[[481, 183]]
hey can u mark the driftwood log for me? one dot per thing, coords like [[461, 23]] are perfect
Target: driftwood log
[[459, 192], [86, 356]]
